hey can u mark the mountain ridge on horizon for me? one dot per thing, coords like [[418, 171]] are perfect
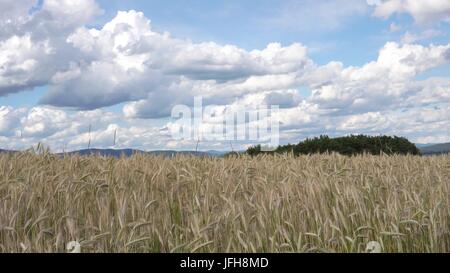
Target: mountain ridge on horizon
[[130, 151], [425, 149]]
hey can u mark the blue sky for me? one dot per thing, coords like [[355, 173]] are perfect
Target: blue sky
[[353, 40], [247, 24], [335, 62]]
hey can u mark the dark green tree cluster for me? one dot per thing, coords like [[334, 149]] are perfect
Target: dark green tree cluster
[[349, 145]]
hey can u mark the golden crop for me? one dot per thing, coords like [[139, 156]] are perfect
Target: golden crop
[[318, 203]]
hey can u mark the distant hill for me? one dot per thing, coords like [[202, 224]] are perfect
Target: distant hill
[[130, 152], [421, 145], [6, 151], [346, 145], [442, 148], [105, 152], [425, 149]]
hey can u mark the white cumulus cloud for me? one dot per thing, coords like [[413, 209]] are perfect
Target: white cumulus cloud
[[423, 11]]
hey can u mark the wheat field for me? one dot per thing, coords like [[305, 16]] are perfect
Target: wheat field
[[317, 203]]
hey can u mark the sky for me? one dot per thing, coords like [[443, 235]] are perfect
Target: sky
[[74, 72]]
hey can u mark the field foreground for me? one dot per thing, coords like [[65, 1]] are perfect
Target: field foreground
[[319, 203]]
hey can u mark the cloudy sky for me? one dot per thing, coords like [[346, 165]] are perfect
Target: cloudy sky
[[334, 67]]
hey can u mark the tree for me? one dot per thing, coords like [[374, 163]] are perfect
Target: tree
[[348, 145]]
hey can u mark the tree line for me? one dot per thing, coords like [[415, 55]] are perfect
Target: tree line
[[348, 145]]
